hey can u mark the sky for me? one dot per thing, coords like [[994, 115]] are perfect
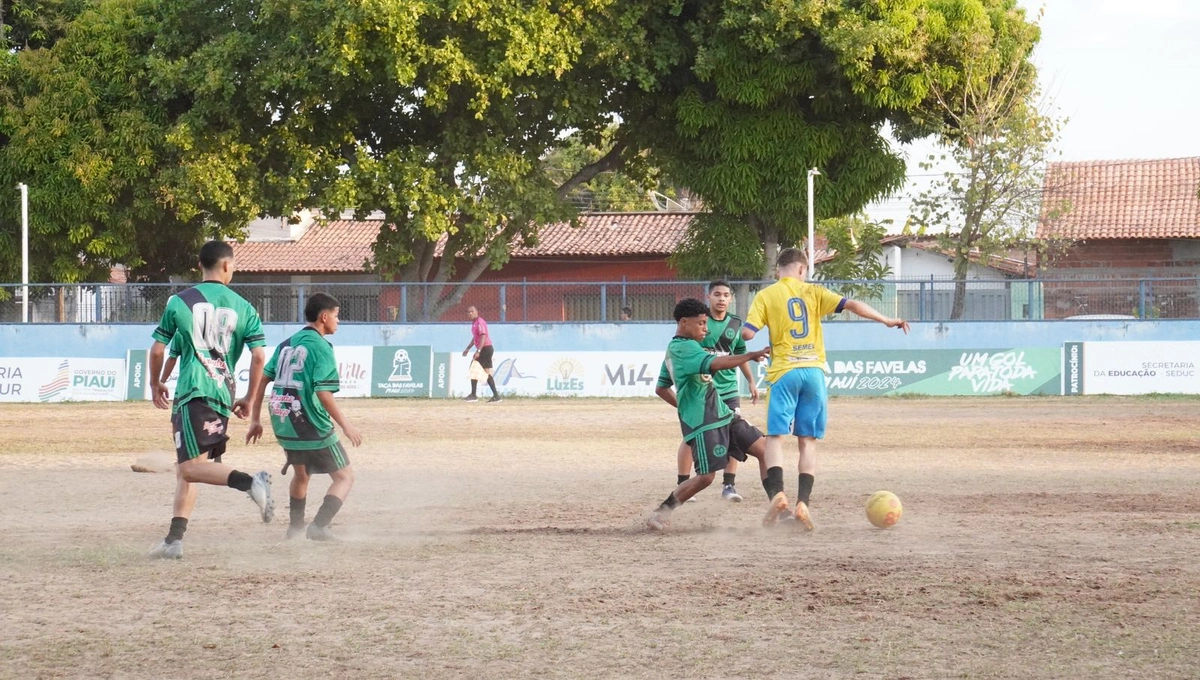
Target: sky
[[1124, 73]]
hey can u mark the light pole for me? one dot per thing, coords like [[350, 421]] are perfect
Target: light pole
[[24, 252], [812, 172]]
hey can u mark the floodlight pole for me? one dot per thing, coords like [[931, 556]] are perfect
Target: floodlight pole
[[24, 252], [812, 172]]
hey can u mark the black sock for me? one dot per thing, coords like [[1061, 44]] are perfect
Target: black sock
[[806, 482], [474, 386], [492, 384], [296, 510], [671, 503], [329, 508], [178, 526], [773, 482], [727, 478], [240, 481], [681, 479]]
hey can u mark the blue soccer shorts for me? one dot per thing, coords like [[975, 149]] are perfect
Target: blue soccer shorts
[[796, 403]]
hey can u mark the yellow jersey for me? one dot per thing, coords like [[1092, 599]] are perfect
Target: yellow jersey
[[792, 310]]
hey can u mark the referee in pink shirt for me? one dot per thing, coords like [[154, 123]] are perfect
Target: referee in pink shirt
[[482, 342]]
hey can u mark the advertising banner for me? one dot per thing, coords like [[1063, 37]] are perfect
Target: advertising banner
[[354, 371], [1134, 367], [441, 375], [941, 372], [576, 374], [54, 380], [402, 371]]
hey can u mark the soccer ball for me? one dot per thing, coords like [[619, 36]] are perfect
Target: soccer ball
[[884, 509]]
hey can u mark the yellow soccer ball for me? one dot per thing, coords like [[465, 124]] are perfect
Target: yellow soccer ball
[[884, 509]]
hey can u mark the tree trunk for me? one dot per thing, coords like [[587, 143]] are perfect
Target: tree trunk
[[60, 305], [769, 234], [460, 289], [962, 262]]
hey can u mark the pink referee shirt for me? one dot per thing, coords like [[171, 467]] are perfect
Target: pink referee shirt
[[479, 331]]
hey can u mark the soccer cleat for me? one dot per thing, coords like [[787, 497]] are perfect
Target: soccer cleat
[[779, 506], [471, 398], [260, 493], [730, 494], [316, 533], [495, 399], [802, 515], [167, 551], [659, 520], [295, 531]]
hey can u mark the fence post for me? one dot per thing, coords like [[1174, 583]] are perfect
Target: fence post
[[100, 302], [624, 292], [503, 302], [524, 298], [1141, 298], [300, 304], [603, 303], [921, 302], [403, 303]]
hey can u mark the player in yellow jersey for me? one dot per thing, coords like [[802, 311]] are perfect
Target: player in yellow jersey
[[796, 396]]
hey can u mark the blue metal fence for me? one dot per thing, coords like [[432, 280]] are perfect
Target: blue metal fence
[[588, 302]]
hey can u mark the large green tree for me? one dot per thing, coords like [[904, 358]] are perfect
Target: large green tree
[[766, 90], [997, 142]]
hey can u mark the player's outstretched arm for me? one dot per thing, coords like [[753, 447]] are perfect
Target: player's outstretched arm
[[330, 404], [733, 361], [868, 312]]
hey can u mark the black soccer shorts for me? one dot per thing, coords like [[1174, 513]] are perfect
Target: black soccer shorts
[[198, 429], [485, 356], [319, 461], [712, 449]]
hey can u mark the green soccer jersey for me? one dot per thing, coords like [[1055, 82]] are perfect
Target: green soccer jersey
[[302, 366], [209, 325], [687, 367], [725, 338]]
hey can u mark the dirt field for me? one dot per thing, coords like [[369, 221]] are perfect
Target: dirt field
[[1042, 537]]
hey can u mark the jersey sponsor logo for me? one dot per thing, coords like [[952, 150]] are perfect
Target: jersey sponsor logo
[[213, 427], [282, 405], [401, 367], [729, 333]]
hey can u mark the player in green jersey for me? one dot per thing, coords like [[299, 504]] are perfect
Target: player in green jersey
[[723, 339], [211, 324], [713, 432], [303, 412]]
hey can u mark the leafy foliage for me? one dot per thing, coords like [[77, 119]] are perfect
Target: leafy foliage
[[998, 142]]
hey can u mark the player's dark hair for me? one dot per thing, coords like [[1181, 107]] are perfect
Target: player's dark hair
[[213, 252], [317, 303], [689, 307], [627, 311], [791, 256], [717, 284]]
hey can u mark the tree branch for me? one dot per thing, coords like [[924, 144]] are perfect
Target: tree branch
[[610, 161]]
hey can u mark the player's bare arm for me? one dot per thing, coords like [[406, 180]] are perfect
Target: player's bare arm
[[868, 312], [255, 430], [158, 388], [258, 359], [668, 395], [469, 346], [330, 404], [733, 361], [751, 382]]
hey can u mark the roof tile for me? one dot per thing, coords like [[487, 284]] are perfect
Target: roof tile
[[1131, 199]]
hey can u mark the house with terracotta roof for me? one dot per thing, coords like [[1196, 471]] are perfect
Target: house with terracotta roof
[[1134, 223], [557, 276]]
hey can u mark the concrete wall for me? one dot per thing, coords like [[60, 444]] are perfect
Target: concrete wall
[[112, 341]]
